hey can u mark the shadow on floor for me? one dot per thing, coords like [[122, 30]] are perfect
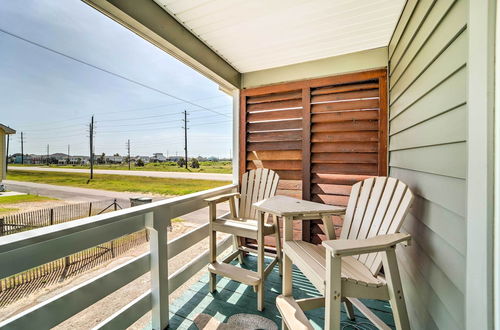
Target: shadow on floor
[[232, 298]]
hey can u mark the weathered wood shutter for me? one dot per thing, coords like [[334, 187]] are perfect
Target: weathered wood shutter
[[321, 136]]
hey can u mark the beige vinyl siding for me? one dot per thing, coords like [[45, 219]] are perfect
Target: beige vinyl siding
[[428, 151]]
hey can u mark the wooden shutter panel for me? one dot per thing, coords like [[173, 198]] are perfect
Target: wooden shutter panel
[[321, 136], [274, 137], [344, 139]]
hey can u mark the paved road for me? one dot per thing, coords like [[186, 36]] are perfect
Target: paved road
[[153, 174], [75, 194]]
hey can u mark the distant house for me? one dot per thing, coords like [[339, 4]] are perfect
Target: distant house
[[113, 159], [75, 160], [59, 156], [35, 159], [145, 159], [158, 158], [174, 158], [4, 132]]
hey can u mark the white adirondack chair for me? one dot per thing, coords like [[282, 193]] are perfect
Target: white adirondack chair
[[349, 268], [256, 185]]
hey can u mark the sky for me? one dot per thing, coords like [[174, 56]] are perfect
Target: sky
[[51, 97]]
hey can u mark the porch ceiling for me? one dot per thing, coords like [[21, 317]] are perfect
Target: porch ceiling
[[261, 34]]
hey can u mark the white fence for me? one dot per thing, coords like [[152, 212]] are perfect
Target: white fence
[[22, 251]]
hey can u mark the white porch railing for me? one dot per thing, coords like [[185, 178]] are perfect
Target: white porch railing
[[22, 251]]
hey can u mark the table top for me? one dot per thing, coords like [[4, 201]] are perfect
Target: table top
[[289, 206]]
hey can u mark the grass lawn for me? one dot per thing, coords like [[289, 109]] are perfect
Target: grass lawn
[[23, 199], [205, 167], [4, 210], [164, 186]]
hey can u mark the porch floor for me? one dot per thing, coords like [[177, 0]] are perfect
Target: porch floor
[[232, 298]]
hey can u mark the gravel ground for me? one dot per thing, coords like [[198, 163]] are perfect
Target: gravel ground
[[98, 312], [31, 206]]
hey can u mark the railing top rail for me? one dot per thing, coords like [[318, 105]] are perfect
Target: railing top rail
[[23, 239]]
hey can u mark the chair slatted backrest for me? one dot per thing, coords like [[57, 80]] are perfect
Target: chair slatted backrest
[[256, 185], [376, 206]]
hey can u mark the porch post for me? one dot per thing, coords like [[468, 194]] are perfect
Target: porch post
[[479, 305], [236, 134], [157, 224], [496, 239]]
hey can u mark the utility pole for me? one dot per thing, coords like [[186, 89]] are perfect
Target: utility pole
[[91, 130], [7, 154], [22, 148], [128, 152], [48, 163], [185, 139], [68, 154]]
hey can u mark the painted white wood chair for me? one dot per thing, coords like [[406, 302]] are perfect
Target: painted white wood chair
[[241, 222], [349, 268]]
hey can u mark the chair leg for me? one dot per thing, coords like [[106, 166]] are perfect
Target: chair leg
[[349, 309], [213, 258], [287, 262], [236, 247], [395, 289], [260, 262], [212, 280], [212, 246], [279, 252], [212, 283], [287, 283], [333, 295]]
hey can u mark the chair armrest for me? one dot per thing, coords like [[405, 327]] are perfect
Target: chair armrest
[[222, 198], [343, 211], [349, 247]]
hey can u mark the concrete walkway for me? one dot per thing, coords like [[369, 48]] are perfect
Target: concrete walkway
[[153, 174], [75, 194]]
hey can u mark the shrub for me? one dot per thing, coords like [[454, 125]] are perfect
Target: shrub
[[195, 163], [181, 162]]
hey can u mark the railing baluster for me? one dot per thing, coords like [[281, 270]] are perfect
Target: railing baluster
[[157, 225]]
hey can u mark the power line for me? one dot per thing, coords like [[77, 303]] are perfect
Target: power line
[[57, 121], [54, 127], [71, 119], [136, 130], [108, 72], [56, 137], [151, 123], [128, 152], [7, 154], [155, 116], [138, 118], [22, 148], [70, 128], [185, 139], [162, 106], [91, 126], [212, 123], [142, 124]]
